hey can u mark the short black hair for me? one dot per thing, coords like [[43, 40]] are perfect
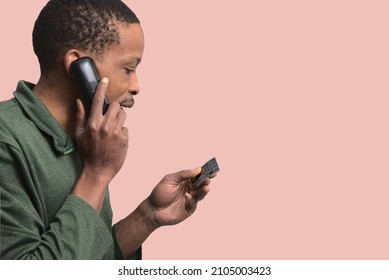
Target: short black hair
[[89, 25]]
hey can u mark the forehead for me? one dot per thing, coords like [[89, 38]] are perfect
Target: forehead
[[130, 47]]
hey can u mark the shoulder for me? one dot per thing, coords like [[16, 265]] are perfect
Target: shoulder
[[5, 106], [10, 116]]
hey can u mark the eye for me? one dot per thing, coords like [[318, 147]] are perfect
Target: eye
[[128, 71]]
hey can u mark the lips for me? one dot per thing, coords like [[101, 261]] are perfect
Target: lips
[[128, 103]]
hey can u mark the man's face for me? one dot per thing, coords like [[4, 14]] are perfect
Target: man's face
[[119, 63]]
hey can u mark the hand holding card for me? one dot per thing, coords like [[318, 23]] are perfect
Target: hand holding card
[[208, 170]]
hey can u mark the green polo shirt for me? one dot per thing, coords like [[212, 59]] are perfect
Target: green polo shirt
[[39, 165]]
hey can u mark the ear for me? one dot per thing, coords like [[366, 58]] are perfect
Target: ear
[[69, 57]]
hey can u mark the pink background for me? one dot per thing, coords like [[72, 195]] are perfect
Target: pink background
[[292, 99]]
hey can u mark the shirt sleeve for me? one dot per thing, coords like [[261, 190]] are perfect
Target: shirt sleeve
[[118, 253], [76, 232]]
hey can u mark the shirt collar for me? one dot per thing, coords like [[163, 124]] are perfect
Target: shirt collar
[[37, 112]]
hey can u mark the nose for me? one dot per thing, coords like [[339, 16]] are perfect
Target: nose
[[134, 86]]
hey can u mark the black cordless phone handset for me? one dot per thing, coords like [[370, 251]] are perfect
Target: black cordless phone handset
[[85, 74]]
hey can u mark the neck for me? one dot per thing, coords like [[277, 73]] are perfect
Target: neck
[[59, 96]]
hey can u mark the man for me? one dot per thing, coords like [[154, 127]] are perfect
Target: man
[[57, 160]]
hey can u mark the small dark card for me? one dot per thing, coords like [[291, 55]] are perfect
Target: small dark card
[[208, 170]]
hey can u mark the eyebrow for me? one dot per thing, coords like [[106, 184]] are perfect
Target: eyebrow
[[130, 59]]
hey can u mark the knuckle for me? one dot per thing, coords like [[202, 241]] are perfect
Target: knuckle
[[105, 130], [116, 134], [124, 130], [93, 127], [124, 138]]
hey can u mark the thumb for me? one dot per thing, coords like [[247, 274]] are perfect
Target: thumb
[[80, 118], [185, 174]]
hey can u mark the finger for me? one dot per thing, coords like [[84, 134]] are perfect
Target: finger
[[98, 99], [115, 116], [120, 118], [211, 176], [125, 132], [110, 116], [191, 204], [80, 118], [200, 193], [113, 110]]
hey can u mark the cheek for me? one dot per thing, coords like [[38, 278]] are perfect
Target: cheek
[[113, 92], [116, 89]]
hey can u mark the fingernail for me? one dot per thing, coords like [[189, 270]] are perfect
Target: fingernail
[[196, 170], [104, 80]]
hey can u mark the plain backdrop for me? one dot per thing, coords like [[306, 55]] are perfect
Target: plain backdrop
[[291, 97]]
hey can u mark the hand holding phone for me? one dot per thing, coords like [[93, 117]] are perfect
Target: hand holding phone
[[86, 76], [102, 141]]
